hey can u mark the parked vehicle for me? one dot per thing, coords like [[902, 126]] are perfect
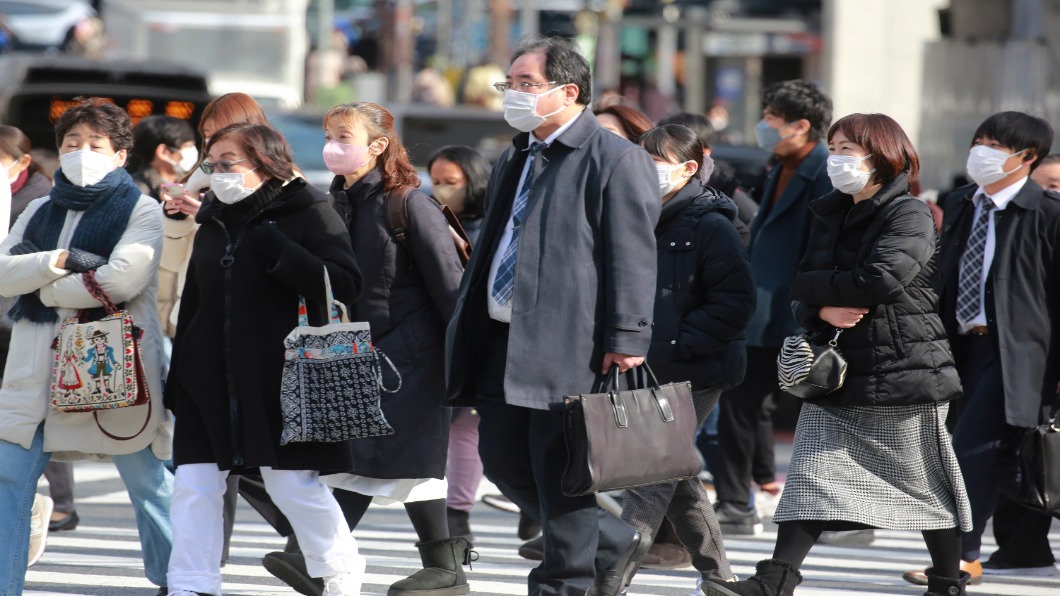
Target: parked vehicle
[[44, 24]]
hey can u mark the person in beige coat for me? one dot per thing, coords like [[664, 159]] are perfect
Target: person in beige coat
[[95, 218]]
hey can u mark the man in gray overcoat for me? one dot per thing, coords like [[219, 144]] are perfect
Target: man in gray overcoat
[[560, 289]]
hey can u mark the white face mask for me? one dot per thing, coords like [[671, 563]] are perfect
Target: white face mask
[[986, 165], [520, 109], [85, 168], [846, 173], [666, 172], [189, 156], [229, 188], [11, 179]]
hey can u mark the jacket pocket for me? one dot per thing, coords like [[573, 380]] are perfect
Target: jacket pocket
[[896, 334]]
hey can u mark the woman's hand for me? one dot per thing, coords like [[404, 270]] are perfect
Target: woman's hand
[[843, 317], [188, 204]]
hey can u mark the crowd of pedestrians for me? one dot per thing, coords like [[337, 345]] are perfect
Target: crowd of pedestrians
[[599, 241]]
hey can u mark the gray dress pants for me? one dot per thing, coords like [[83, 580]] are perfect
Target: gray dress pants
[[686, 505], [60, 475]]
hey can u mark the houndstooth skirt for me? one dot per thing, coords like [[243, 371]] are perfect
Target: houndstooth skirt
[[891, 468]]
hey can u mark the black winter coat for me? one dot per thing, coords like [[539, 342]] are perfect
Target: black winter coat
[[224, 378], [705, 293], [878, 254], [409, 295]]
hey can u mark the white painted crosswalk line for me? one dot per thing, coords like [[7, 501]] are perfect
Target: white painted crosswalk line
[[102, 556]]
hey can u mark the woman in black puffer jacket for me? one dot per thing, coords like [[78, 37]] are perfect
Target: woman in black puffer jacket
[[875, 453], [704, 297]]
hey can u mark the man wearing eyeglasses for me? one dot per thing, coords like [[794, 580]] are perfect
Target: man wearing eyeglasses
[[559, 290]]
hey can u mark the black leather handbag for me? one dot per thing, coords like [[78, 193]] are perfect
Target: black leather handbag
[[1039, 466], [808, 370], [621, 439]]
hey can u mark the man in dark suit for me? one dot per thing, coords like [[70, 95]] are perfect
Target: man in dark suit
[[795, 117], [560, 289], [999, 289]]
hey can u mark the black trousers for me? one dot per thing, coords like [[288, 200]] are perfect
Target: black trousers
[[745, 430], [524, 454], [985, 447]]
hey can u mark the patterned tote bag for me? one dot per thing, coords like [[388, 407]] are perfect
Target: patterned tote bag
[[331, 380], [97, 364]]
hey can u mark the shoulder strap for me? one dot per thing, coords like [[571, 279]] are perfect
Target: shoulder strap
[[397, 213]]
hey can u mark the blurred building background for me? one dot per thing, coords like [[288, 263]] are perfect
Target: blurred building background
[[938, 66]]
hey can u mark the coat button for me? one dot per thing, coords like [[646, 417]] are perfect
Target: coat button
[[688, 244], [673, 244], [673, 342], [642, 323]]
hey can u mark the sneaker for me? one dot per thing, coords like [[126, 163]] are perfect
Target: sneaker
[[848, 538], [992, 567], [346, 584], [38, 526], [737, 522]]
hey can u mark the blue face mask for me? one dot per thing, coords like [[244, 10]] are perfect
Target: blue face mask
[[767, 136]]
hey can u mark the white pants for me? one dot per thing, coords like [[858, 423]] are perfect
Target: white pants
[[198, 532]]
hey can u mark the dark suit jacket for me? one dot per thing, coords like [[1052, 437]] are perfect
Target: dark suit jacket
[[779, 237], [1023, 290], [585, 276]]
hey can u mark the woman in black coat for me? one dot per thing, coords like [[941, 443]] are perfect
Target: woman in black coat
[[410, 293], [704, 298], [875, 453], [266, 239]]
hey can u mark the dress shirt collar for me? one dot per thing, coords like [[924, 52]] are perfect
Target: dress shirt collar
[[1003, 197]]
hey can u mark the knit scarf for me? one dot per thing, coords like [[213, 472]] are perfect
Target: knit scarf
[[108, 205]]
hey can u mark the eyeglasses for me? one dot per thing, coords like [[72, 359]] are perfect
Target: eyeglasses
[[221, 167], [524, 87]]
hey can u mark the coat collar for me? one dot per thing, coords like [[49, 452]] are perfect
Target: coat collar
[[838, 208], [805, 175], [1030, 196], [580, 131]]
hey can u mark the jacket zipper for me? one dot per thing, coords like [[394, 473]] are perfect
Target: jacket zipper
[[233, 404]]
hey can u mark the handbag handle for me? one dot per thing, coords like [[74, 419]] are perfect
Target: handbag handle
[[96, 291], [336, 309]]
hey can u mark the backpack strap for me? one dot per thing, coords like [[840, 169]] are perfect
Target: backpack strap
[[397, 213]]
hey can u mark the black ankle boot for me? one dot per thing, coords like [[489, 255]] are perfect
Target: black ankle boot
[[946, 586], [442, 573], [460, 525], [771, 578]]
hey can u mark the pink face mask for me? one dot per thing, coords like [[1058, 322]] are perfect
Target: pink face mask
[[344, 159]]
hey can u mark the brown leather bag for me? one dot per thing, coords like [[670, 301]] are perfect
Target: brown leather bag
[[397, 219], [621, 439]]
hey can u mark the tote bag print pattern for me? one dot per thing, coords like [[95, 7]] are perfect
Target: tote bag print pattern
[[95, 365], [331, 382]]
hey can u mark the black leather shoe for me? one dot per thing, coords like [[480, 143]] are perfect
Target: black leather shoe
[[67, 523], [533, 549], [290, 568], [528, 528], [615, 579]]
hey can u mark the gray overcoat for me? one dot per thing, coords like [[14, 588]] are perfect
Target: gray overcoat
[[585, 275]]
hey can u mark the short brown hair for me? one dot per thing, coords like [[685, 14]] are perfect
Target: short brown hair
[[102, 116], [379, 122], [266, 148], [892, 151], [632, 121]]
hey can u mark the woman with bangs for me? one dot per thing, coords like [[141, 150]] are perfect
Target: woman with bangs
[[410, 291], [266, 238], [875, 453]]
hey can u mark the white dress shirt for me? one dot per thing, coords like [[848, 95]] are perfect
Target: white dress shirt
[[1001, 199], [503, 312]]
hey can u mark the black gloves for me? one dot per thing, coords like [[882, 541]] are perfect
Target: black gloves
[[268, 239], [23, 248], [79, 261]]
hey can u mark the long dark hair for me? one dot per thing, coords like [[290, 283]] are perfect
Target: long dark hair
[[475, 169]]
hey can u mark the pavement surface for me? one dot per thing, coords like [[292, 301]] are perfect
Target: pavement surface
[[102, 556]]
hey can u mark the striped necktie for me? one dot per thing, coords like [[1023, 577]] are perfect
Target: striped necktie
[[504, 284], [969, 286]]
